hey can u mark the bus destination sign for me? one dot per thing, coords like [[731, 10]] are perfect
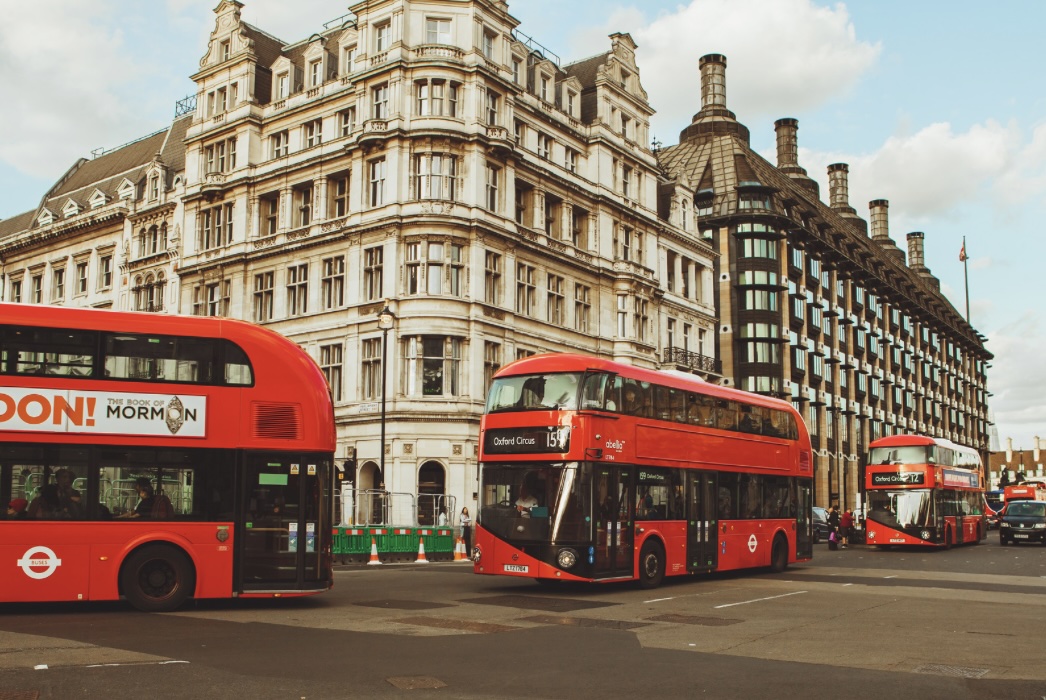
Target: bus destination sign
[[552, 438], [899, 479]]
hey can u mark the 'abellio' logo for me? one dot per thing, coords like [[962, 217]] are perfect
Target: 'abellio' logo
[[39, 562]]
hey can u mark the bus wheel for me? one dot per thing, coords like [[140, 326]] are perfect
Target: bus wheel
[[947, 538], [779, 555], [157, 578], [651, 565]]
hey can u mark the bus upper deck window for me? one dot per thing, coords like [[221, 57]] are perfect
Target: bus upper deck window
[[237, 366]]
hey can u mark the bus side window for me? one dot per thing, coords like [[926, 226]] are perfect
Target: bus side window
[[662, 402], [631, 398], [726, 415]]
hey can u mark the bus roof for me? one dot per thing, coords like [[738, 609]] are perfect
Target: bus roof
[[48, 316], [905, 440], [547, 363]]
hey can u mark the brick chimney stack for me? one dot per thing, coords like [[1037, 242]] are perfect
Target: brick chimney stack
[[839, 196]]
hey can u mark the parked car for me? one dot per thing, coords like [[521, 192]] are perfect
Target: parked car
[[1023, 521], [821, 527]]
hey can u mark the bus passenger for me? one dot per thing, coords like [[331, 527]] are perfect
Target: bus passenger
[[16, 509], [67, 495], [47, 505]]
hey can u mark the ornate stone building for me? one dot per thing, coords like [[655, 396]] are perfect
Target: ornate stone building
[[426, 157], [816, 308]]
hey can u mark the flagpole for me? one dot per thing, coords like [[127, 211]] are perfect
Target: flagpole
[[966, 278]]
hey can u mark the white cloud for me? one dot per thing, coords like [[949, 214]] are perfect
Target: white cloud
[[1018, 379], [782, 57], [62, 64]]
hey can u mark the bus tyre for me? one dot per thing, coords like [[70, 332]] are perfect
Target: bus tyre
[[947, 538], [651, 565], [157, 578], [779, 554]]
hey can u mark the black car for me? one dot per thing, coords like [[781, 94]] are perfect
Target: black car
[[1023, 521], [821, 527]]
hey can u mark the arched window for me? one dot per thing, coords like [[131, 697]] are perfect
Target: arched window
[[148, 292], [137, 294], [141, 243], [432, 484], [163, 236], [154, 239], [161, 288]]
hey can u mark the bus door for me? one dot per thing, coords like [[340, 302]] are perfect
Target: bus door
[[614, 499], [701, 522], [804, 544], [282, 524]]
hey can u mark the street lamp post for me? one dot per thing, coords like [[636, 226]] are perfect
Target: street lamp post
[[386, 320]]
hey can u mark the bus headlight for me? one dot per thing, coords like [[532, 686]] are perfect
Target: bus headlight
[[567, 558], [1039, 526], [477, 554], [925, 534]]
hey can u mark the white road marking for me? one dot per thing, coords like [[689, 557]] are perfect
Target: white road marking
[[144, 663], [757, 600], [658, 600]]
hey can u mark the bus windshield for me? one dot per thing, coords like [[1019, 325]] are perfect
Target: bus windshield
[[529, 502], [901, 508], [533, 392], [907, 454]]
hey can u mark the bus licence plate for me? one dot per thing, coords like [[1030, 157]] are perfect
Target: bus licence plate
[[1020, 536], [517, 568]]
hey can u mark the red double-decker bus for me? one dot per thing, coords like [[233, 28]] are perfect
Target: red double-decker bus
[[923, 491], [156, 458], [592, 470]]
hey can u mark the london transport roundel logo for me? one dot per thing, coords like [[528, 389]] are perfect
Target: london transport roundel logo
[[39, 557], [752, 542]]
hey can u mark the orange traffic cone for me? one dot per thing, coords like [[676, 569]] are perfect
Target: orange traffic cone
[[459, 549], [421, 552], [373, 553]]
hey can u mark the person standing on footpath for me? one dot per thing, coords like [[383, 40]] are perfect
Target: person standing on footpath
[[466, 531], [833, 519], [846, 525]]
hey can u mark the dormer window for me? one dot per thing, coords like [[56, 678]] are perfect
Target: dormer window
[[517, 71], [437, 31], [571, 102], [97, 199], [154, 188], [224, 50], [70, 209], [703, 203], [543, 91], [126, 190], [316, 73], [283, 85], [348, 60]]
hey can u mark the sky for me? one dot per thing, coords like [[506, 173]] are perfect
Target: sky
[[936, 105]]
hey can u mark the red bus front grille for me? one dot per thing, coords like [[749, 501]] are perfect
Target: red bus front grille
[[276, 421]]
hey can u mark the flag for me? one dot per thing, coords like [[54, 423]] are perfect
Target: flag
[[962, 253]]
